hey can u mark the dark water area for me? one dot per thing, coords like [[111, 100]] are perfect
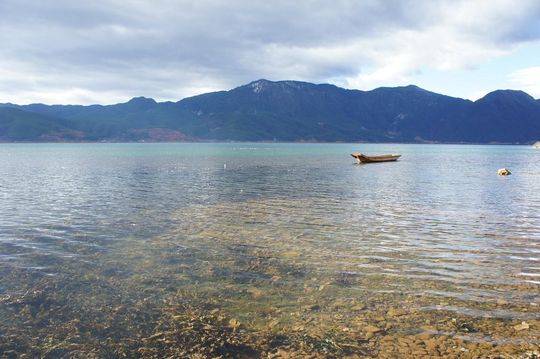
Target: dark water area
[[268, 250]]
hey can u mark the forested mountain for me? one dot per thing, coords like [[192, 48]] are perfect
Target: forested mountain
[[286, 111]]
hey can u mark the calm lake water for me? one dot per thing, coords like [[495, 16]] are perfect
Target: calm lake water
[[258, 249]]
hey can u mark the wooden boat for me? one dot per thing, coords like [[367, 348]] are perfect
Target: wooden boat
[[371, 159]]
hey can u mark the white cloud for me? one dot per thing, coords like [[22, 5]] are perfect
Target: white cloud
[[527, 79], [109, 50]]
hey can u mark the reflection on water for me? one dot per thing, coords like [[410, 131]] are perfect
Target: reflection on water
[[268, 250]]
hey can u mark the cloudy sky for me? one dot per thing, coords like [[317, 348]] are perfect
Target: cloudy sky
[[107, 51]]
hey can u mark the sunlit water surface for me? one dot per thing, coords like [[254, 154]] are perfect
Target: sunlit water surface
[[289, 239]]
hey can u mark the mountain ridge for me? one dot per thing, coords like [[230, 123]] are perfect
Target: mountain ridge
[[288, 110]]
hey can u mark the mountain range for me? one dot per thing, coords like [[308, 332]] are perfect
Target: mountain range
[[286, 111]]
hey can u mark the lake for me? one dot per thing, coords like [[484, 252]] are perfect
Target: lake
[[268, 250]]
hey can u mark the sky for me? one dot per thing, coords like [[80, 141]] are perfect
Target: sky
[[108, 51]]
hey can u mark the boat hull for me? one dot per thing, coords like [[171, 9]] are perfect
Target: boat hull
[[373, 159]]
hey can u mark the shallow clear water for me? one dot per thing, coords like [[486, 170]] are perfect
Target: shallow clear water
[[257, 228]]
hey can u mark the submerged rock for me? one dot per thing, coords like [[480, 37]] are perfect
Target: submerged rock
[[395, 312], [521, 326], [234, 324], [372, 329], [255, 293]]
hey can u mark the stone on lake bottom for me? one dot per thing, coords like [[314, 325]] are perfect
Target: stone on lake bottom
[[522, 326]]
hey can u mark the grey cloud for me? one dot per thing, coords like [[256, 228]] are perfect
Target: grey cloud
[[169, 49]]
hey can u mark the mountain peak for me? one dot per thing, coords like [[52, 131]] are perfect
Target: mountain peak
[[259, 85], [142, 100], [512, 95], [260, 81], [263, 84], [414, 88], [406, 87]]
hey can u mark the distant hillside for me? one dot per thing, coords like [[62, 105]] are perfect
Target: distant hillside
[[286, 111], [19, 125]]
